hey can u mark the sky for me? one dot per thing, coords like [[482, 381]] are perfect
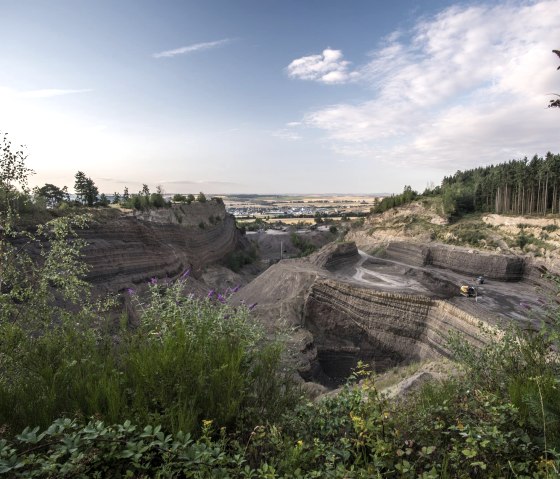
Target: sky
[[276, 96]]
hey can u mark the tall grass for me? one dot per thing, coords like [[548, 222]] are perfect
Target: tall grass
[[189, 359]]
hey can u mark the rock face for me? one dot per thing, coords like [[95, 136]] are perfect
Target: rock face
[[382, 329], [460, 260], [335, 255], [332, 323], [131, 249]]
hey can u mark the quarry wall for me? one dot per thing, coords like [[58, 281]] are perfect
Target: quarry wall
[[461, 260], [164, 242]]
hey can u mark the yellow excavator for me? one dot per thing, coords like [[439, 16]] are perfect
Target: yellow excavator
[[468, 291]]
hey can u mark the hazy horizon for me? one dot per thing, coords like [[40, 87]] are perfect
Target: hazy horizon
[[254, 97]]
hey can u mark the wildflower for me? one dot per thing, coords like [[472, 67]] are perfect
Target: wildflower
[[252, 306], [300, 443], [210, 293], [153, 280], [186, 274], [236, 289], [130, 292], [525, 305], [206, 423], [221, 299]]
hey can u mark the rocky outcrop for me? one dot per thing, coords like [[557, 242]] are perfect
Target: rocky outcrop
[[382, 329], [187, 215], [412, 254], [330, 324], [128, 250], [335, 255], [461, 260]]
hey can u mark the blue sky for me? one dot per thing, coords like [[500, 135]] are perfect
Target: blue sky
[[272, 96]]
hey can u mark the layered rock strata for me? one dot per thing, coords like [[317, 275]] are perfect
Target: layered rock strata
[[331, 324], [460, 260], [132, 249], [382, 329], [335, 255]]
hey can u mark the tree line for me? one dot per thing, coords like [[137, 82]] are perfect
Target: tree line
[[521, 187], [516, 187], [15, 193]]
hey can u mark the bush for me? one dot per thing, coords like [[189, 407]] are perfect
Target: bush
[[358, 223], [237, 259], [157, 200], [523, 239], [188, 360], [178, 198], [305, 247]]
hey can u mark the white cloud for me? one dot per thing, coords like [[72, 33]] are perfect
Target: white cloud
[[328, 67], [191, 48], [468, 87], [287, 134]]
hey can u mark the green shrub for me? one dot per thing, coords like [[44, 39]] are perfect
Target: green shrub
[[179, 198], [520, 365], [358, 223], [237, 259], [305, 246], [188, 360], [523, 239]]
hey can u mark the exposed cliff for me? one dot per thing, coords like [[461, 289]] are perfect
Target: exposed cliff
[[131, 249], [462, 260], [332, 323], [350, 323], [335, 255]]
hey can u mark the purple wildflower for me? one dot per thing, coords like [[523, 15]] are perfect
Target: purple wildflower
[[525, 305], [236, 289], [186, 273], [130, 292], [252, 306], [153, 280], [210, 293], [221, 299]]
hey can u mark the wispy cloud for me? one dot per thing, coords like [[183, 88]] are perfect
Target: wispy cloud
[[328, 67], [467, 87], [287, 134], [50, 92], [196, 47]]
